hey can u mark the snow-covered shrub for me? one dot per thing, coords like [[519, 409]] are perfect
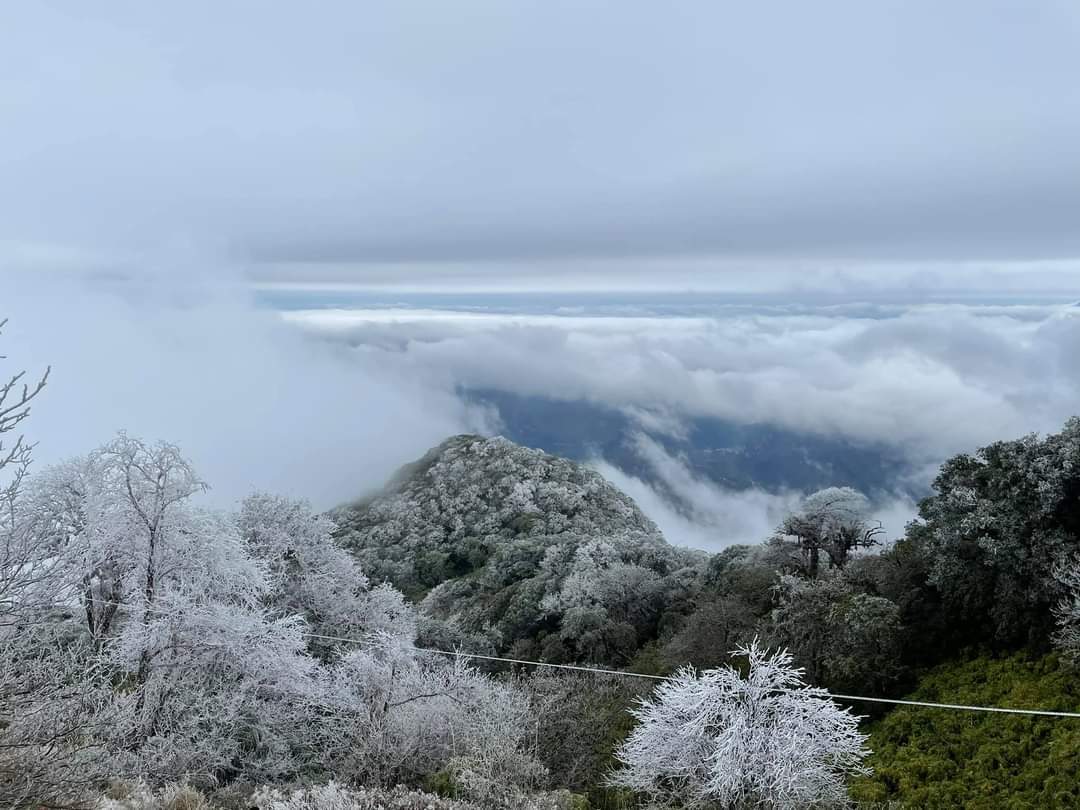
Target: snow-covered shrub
[[311, 576], [763, 741], [139, 796], [386, 716], [334, 796]]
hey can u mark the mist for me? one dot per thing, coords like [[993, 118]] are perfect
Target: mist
[[254, 403]]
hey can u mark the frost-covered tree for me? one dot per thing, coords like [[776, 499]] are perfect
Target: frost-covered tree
[[23, 572], [386, 715], [49, 697], [1067, 611], [718, 739], [843, 639], [175, 606], [605, 598], [310, 575], [15, 452], [136, 532], [834, 522], [998, 522]]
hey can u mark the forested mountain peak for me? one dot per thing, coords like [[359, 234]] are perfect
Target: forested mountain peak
[[505, 545], [442, 515]]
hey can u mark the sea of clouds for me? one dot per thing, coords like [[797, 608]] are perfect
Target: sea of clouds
[[929, 380], [932, 379]]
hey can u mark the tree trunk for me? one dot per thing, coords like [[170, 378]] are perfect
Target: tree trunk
[[148, 595]]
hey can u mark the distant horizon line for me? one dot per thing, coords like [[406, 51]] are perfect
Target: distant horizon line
[[1064, 295]]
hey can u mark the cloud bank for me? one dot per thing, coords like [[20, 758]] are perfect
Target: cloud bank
[[926, 380], [932, 380]]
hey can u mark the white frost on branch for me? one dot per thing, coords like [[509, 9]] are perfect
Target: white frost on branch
[[1067, 611], [720, 739], [314, 577], [205, 620]]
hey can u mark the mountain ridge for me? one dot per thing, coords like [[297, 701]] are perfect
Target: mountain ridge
[[503, 545]]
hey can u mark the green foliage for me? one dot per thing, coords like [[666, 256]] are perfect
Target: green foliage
[[994, 529], [900, 574], [650, 660], [844, 640], [936, 758], [442, 783], [609, 798]]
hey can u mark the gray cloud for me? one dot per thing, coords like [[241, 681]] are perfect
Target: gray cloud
[[349, 135], [931, 380], [692, 511]]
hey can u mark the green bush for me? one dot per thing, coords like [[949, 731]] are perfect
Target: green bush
[[939, 758], [442, 783]]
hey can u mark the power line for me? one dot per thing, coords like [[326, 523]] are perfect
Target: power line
[[626, 674], [524, 661]]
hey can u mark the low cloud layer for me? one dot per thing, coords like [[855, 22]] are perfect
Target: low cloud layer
[[931, 380], [926, 381], [692, 511]]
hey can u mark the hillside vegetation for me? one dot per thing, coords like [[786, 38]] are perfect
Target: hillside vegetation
[[444, 515], [983, 569], [930, 758], [513, 549]]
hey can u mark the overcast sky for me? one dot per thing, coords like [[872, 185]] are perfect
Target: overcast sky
[[415, 142]]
